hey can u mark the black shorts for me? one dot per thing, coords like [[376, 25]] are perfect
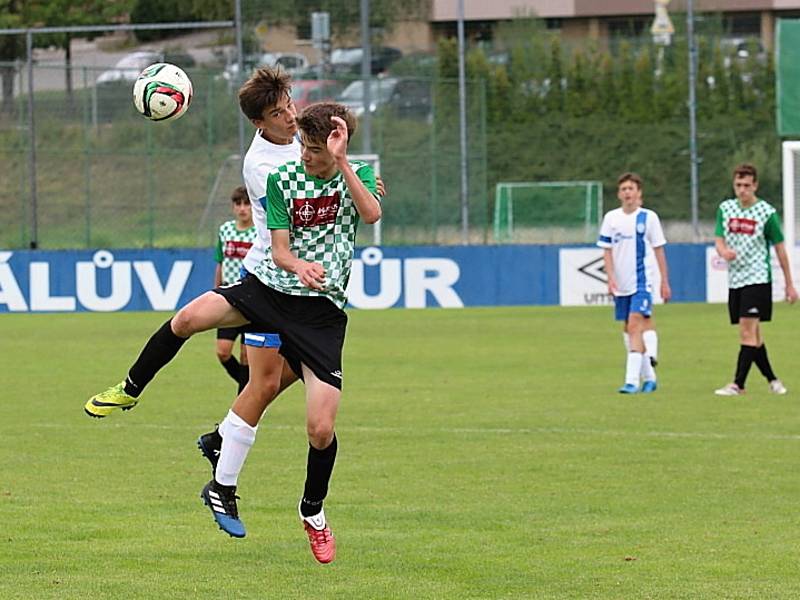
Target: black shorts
[[231, 333], [312, 328], [750, 301]]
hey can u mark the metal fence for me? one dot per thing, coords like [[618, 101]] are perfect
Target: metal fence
[[106, 177]]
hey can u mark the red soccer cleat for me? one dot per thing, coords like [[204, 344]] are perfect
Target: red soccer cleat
[[323, 544]]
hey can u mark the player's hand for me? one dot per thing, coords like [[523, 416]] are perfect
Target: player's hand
[[791, 294], [728, 254], [612, 287], [337, 140], [311, 275], [380, 186], [666, 292]]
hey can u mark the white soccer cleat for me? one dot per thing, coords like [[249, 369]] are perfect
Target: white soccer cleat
[[776, 387], [729, 390]]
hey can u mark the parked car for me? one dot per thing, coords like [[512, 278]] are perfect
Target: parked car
[[380, 91], [129, 66], [347, 61], [412, 98], [306, 91], [292, 62]]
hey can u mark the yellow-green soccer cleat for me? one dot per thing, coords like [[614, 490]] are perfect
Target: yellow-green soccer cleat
[[105, 403]]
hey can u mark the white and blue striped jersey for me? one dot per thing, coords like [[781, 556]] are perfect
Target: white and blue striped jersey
[[632, 237], [261, 158]]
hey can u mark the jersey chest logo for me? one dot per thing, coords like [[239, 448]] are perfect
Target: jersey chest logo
[[234, 249], [311, 212], [740, 225]]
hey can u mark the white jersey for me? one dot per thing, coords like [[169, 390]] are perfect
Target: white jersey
[[261, 158], [632, 238]]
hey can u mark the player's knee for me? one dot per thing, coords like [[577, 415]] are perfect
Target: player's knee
[[223, 354], [264, 391], [183, 323], [320, 433]]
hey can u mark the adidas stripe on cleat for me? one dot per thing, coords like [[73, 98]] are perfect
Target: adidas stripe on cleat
[[210, 445], [221, 500], [104, 403]]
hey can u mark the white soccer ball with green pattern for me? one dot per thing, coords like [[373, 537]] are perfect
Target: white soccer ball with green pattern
[[162, 92]]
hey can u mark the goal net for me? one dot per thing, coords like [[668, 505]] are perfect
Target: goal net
[[548, 211], [791, 191]]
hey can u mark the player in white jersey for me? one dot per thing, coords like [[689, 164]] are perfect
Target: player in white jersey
[[265, 99], [633, 247]]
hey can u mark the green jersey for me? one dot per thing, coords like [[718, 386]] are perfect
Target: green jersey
[[232, 247], [322, 220], [749, 232]]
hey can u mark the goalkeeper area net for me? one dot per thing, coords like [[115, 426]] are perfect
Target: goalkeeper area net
[[548, 212], [791, 191]]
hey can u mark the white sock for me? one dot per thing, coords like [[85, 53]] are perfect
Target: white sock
[[626, 341], [632, 370], [650, 338], [648, 372], [236, 443]]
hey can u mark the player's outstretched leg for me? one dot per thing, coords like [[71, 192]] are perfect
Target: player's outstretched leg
[[161, 348], [221, 500]]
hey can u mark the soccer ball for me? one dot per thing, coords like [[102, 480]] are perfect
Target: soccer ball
[[162, 91]]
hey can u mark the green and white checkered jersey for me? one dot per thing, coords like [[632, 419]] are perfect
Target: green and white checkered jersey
[[322, 221], [749, 232], [232, 246]]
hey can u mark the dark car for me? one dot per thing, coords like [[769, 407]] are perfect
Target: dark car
[[347, 61], [411, 98]]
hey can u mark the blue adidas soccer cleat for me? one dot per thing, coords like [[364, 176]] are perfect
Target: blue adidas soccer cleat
[[221, 499], [628, 388], [648, 387]]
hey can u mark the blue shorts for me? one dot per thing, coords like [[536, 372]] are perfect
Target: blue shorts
[[640, 302], [259, 340]]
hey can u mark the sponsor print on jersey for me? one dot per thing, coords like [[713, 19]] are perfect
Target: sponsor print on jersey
[[311, 212], [742, 225], [236, 249]]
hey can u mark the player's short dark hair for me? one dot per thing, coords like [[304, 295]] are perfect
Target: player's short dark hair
[[745, 170], [315, 120], [239, 194], [630, 176], [265, 88]]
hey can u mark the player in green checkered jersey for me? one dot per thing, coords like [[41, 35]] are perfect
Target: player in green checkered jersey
[[234, 239], [314, 207], [746, 228]]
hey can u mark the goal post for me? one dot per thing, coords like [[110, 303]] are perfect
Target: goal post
[[547, 211], [791, 190]]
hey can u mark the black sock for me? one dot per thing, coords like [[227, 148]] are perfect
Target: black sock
[[161, 348], [244, 376], [318, 474], [232, 367], [747, 354], [762, 362]]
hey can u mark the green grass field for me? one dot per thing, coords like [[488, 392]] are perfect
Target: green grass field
[[484, 453]]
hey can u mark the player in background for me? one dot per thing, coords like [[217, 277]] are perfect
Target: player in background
[[746, 228], [314, 208], [234, 239], [633, 244]]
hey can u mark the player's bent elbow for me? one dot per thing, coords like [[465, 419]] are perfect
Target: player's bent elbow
[[372, 216]]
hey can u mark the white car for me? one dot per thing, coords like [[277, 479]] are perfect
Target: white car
[[380, 90], [128, 67], [292, 62]]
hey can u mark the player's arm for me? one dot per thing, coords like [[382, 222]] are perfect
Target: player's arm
[[218, 260], [719, 240], [661, 261], [367, 205], [774, 235], [608, 263], [311, 275]]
